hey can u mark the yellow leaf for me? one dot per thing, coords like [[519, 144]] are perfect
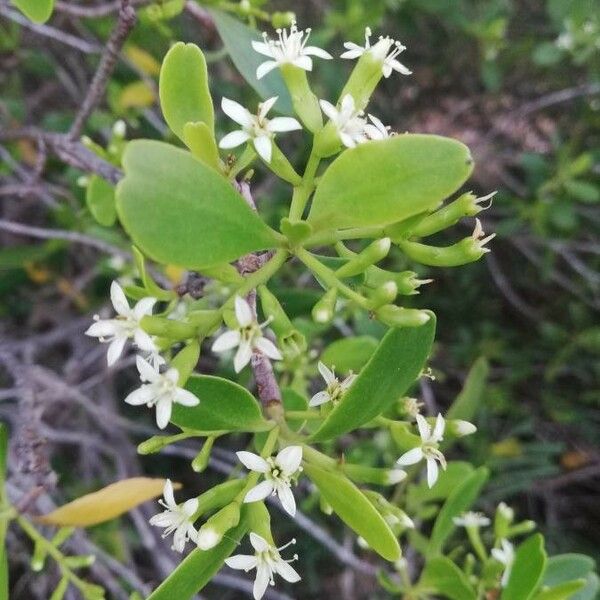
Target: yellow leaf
[[136, 95], [107, 503], [144, 61]]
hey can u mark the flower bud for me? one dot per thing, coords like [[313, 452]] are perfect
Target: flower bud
[[462, 428], [324, 309], [521, 528], [282, 19], [168, 328], [119, 129], [212, 532], [200, 463], [372, 254], [272, 309], [306, 104], [466, 251], [467, 205], [398, 316], [154, 444], [384, 294], [281, 166], [407, 282], [186, 360], [205, 321], [503, 520]]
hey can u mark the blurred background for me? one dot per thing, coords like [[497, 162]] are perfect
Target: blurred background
[[518, 81]]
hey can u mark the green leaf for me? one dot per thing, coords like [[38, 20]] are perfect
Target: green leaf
[[100, 200], [224, 406], [352, 507], [39, 11], [183, 88], [179, 211], [460, 500], [292, 400], [443, 577], [527, 570], [565, 567], [201, 142], [349, 354], [199, 567], [237, 38], [389, 181], [393, 367], [448, 480], [467, 402], [562, 591]]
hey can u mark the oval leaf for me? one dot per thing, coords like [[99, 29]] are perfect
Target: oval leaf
[[349, 354], [224, 406], [394, 366], [467, 402], [179, 211], [527, 570], [389, 181], [460, 500], [100, 200], [443, 577], [183, 88], [38, 11], [352, 507], [565, 567], [105, 504], [237, 38], [199, 567]]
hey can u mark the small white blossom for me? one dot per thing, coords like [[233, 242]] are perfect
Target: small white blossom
[[349, 122], [267, 561], [506, 557], [289, 48], [246, 338], [464, 428], [124, 326], [161, 390], [334, 390], [278, 472], [176, 518], [386, 50], [428, 449], [376, 130], [471, 519], [479, 236], [257, 127]]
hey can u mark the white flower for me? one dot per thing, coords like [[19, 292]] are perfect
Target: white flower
[[479, 236], [349, 122], [471, 519], [385, 50], [161, 390], [290, 48], [267, 561], [278, 473], [334, 390], [176, 518], [428, 448], [247, 338], [257, 127], [376, 130], [505, 556], [463, 428], [124, 326]]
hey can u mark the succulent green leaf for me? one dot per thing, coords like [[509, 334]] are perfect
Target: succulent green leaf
[[467, 402], [183, 89], [349, 354], [393, 367], [179, 211], [38, 11], [199, 567], [224, 406], [237, 38], [201, 142], [100, 200], [565, 568], [352, 507], [443, 577], [527, 570], [459, 501], [388, 181], [562, 591]]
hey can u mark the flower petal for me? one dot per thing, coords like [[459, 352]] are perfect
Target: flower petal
[[143, 307], [119, 300], [262, 48], [190, 507], [318, 52], [234, 139], [103, 328], [267, 347], [259, 492], [424, 429], [327, 374], [329, 109], [432, 472], [286, 571], [252, 461], [163, 412], [143, 395], [258, 543], [263, 575], [243, 312], [287, 499], [243, 562], [354, 53], [438, 430], [320, 398], [185, 398], [264, 147], [146, 370], [281, 124], [411, 457], [115, 349], [236, 112], [242, 356], [303, 62], [289, 459], [226, 341], [266, 106], [265, 68], [143, 341]]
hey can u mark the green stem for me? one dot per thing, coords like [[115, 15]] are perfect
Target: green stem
[[303, 191], [475, 539], [308, 415], [329, 277], [327, 238]]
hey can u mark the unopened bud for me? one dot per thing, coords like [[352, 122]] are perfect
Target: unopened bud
[[522, 528], [324, 309], [154, 444], [462, 428], [306, 104], [395, 476], [372, 254], [200, 463], [407, 282], [212, 532], [168, 328], [503, 520], [119, 129], [384, 294], [398, 316], [282, 19]]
